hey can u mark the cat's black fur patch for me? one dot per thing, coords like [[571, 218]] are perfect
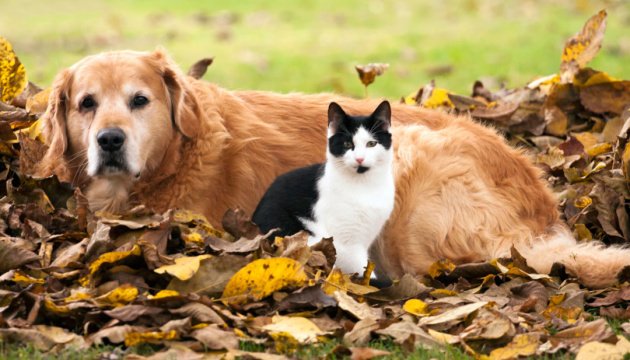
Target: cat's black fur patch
[[290, 197]]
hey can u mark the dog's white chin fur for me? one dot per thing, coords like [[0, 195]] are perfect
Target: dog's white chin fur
[[109, 193]]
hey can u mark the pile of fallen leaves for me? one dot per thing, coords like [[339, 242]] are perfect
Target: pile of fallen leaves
[[70, 278]]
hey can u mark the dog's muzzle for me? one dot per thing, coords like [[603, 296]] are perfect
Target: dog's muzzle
[[111, 143]]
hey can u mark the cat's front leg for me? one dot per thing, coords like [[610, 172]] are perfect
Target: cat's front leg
[[351, 258]]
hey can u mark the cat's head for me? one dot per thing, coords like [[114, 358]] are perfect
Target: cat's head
[[360, 143]]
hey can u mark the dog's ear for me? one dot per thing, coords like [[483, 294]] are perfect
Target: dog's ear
[[184, 105], [53, 124]]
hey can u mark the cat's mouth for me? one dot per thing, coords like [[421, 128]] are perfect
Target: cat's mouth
[[362, 169]]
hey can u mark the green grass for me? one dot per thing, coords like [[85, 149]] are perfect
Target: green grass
[[313, 45]]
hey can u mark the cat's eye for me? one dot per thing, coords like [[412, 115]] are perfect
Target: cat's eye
[[371, 144], [88, 103], [348, 145]]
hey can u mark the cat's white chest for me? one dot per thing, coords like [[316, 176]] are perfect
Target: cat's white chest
[[353, 212]]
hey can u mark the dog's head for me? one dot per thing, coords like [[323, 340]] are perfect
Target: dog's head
[[113, 115]]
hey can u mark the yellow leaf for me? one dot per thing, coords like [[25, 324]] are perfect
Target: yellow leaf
[[262, 277], [163, 294], [108, 258], [300, 328], [521, 345], [338, 281], [440, 267], [626, 161], [193, 237], [598, 149], [189, 217], [54, 308], [443, 338], [334, 282], [184, 268], [440, 293], [416, 307], [582, 202], [583, 233], [599, 77], [12, 73], [77, 296], [587, 139], [24, 279], [368, 273], [136, 338], [582, 48], [411, 98], [439, 98], [284, 342], [120, 296]]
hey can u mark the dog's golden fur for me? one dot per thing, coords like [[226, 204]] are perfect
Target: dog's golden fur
[[462, 193]]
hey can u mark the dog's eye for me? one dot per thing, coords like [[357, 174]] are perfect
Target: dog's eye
[[88, 103], [139, 101], [348, 145], [371, 144]]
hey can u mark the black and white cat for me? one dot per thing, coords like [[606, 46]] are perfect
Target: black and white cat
[[348, 198]]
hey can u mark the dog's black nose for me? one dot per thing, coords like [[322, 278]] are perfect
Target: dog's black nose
[[110, 139]]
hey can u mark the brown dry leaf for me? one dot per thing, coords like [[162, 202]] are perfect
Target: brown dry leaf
[[489, 325], [307, 298], [613, 297], [37, 103], [367, 73], [456, 314], [214, 338], [198, 69], [129, 313], [521, 345], [239, 224], [366, 353], [200, 313], [604, 351], [361, 333], [241, 246], [359, 310], [582, 48], [557, 121], [606, 98], [406, 288], [13, 257], [262, 278], [402, 331], [573, 338], [114, 334], [43, 338]]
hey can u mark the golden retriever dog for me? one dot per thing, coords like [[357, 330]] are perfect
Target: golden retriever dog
[[129, 128]]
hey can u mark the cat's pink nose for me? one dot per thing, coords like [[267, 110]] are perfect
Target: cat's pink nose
[[359, 160]]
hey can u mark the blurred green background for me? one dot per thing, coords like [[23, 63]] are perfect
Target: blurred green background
[[313, 45]]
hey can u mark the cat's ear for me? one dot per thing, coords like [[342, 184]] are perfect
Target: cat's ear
[[335, 116], [383, 114]]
